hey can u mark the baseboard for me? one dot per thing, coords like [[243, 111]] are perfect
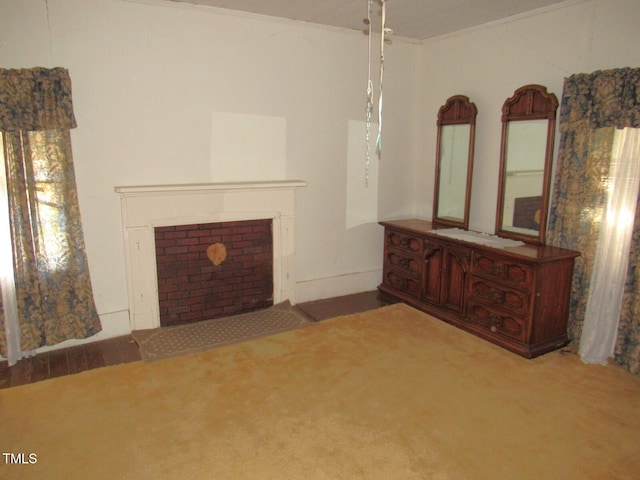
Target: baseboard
[[309, 290]]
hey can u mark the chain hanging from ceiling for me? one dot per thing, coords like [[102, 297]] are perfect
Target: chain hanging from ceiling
[[384, 31]]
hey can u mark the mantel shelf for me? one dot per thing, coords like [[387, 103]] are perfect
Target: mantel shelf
[[203, 187]]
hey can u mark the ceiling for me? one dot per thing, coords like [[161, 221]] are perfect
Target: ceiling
[[412, 19]]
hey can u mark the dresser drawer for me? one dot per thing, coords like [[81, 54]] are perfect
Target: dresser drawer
[[502, 269], [499, 296], [400, 261], [410, 286], [404, 242], [497, 322]]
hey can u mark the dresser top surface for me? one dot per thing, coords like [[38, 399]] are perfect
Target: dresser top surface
[[525, 251]]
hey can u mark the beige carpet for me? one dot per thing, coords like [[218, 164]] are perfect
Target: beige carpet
[[166, 342], [389, 394]]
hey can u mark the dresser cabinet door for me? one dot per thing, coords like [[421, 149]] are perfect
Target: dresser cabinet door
[[454, 278], [445, 273], [432, 272]]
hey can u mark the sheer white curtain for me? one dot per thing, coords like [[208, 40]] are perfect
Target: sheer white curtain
[[7, 282], [612, 254]]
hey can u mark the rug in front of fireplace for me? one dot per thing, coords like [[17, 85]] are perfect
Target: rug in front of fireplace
[[166, 342]]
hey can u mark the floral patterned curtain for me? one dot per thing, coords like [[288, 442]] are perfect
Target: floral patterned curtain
[[592, 106], [628, 342], [53, 287], [35, 99]]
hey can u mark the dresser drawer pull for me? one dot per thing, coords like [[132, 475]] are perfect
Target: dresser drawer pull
[[497, 269], [497, 296], [495, 322]]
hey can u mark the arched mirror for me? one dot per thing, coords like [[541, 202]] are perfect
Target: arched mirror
[[528, 130], [454, 162]]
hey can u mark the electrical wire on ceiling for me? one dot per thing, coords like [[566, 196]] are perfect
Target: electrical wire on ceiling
[[384, 31]]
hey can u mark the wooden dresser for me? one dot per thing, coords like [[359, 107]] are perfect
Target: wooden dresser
[[516, 297]]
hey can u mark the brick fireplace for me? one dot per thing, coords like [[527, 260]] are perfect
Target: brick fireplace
[[193, 285], [148, 210]]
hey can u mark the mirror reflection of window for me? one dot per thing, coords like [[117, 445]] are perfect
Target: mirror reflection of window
[[454, 153], [526, 151], [526, 145]]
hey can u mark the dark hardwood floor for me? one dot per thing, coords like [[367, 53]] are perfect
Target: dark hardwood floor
[[117, 350], [67, 361], [345, 305]]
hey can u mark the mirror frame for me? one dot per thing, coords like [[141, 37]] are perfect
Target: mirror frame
[[531, 102], [457, 110]]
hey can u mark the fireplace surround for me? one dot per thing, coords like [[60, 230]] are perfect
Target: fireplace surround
[[145, 207]]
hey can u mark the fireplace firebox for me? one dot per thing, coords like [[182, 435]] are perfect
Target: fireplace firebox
[[195, 283]]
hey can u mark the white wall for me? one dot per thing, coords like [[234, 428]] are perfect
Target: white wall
[[152, 78], [490, 62], [153, 82]]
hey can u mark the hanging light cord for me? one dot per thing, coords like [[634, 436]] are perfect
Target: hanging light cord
[[369, 111], [384, 31]]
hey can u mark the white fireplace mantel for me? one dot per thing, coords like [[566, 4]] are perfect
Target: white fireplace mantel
[[145, 207]]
